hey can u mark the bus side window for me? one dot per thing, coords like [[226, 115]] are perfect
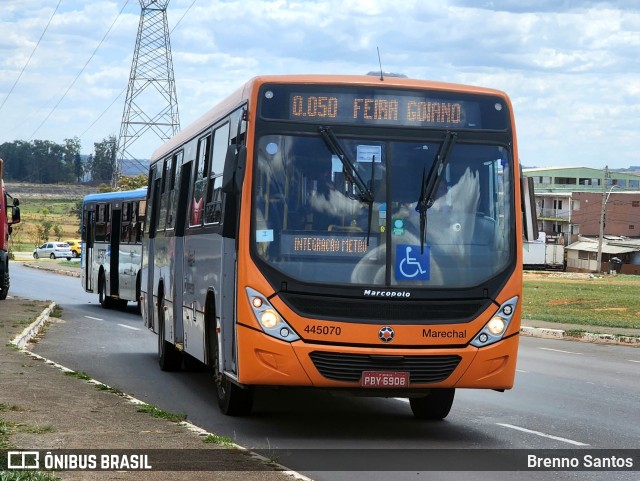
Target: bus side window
[[164, 194], [202, 166], [102, 220], [213, 207], [125, 227], [176, 167], [153, 193], [139, 212]]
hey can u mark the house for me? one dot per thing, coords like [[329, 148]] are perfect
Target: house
[[582, 255], [573, 203]]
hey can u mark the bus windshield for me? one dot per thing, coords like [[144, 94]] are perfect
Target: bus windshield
[[312, 222]]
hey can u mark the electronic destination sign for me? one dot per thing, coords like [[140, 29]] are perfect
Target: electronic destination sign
[[325, 104]]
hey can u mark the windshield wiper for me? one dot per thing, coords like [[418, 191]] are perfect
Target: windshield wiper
[[349, 168], [430, 183]]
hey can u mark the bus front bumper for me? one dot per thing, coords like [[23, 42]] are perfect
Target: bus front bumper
[[265, 361]]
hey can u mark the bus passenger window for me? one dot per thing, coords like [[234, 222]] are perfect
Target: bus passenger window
[[102, 227], [213, 207], [202, 166]]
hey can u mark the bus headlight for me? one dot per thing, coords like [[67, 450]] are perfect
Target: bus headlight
[[496, 326], [493, 330], [270, 321]]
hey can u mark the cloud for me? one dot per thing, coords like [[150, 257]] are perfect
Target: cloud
[[569, 67]]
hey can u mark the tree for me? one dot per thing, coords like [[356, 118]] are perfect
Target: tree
[[130, 182], [72, 161], [103, 163], [77, 210], [40, 161]]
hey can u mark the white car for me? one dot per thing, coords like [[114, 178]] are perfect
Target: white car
[[53, 250]]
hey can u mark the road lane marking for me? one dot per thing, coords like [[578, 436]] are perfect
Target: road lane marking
[[632, 360], [544, 435], [558, 350], [129, 327], [520, 370], [94, 318]]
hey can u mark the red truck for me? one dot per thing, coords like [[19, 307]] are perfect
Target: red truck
[[9, 215]]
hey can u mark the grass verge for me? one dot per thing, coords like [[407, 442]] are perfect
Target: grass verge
[[160, 413], [599, 301]]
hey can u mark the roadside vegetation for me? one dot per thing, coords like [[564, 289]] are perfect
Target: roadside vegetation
[[610, 301], [45, 220], [56, 219], [6, 429]]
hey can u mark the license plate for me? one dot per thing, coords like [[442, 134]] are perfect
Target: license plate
[[383, 379]]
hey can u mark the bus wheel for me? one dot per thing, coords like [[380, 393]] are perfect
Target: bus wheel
[[232, 399], [435, 406], [103, 298], [4, 283], [169, 358]]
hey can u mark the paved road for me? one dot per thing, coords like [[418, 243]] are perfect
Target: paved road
[[568, 396]]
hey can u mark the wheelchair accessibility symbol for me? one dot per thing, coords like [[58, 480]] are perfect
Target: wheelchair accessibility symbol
[[411, 264]]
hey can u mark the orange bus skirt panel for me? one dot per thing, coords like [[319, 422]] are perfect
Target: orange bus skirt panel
[[266, 361], [494, 367]]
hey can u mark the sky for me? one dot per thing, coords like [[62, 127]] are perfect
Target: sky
[[571, 68]]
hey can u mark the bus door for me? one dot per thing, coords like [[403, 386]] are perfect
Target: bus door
[[114, 246], [87, 251]]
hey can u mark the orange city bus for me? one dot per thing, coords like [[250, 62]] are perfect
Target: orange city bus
[[352, 233]]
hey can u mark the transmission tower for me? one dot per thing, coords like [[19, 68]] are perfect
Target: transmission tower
[[151, 105]]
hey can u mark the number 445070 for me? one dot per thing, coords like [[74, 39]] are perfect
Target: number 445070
[[323, 330]]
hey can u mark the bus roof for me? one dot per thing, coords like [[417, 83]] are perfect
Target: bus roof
[[122, 195], [242, 94]]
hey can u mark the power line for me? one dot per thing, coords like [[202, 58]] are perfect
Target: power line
[[79, 73], [30, 56], [183, 15], [125, 89]]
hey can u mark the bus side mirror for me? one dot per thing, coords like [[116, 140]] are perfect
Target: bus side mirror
[[234, 166], [15, 216], [529, 216]]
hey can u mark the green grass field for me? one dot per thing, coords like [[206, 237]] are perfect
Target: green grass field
[[610, 301]]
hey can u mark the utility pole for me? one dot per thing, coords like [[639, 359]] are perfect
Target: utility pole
[[602, 214], [151, 104]]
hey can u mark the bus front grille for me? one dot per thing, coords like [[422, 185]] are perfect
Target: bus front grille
[[349, 367]]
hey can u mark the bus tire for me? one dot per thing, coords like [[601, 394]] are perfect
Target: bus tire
[[435, 406], [4, 281], [103, 298], [138, 295], [169, 358], [232, 399]]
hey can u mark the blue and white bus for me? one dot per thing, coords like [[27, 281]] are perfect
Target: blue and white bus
[[112, 226]]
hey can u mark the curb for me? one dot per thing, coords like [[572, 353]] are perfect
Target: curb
[[30, 331], [22, 339], [65, 272], [592, 337]]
